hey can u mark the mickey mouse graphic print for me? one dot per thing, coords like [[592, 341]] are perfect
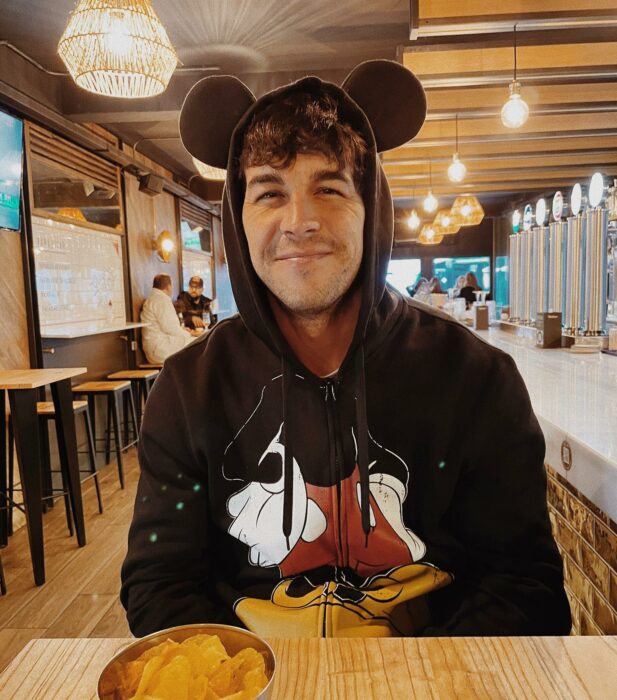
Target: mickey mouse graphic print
[[335, 580]]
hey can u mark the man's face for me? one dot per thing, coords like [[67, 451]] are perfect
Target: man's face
[[304, 229], [195, 290]]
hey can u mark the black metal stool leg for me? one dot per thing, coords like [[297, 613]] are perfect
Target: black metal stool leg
[[133, 414], [2, 580], [25, 424], [92, 458], [6, 483], [108, 433], [115, 405]]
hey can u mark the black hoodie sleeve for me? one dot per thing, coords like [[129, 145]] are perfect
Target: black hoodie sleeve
[[165, 573], [513, 583]]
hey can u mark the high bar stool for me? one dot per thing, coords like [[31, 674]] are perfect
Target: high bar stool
[[113, 391], [46, 411], [142, 381]]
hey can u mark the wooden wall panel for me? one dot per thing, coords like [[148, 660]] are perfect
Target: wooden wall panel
[[14, 353], [147, 216]]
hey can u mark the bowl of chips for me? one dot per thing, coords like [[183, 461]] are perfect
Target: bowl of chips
[[204, 662]]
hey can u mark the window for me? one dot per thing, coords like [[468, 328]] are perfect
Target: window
[[501, 280], [403, 273], [447, 270]]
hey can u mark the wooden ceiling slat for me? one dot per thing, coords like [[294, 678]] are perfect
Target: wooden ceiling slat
[[491, 60], [432, 11]]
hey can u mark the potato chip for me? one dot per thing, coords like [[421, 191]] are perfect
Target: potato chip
[[199, 668]]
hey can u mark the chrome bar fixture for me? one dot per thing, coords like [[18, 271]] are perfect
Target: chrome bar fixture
[[525, 277], [596, 242], [514, 277], [557, 266], [575, 254]]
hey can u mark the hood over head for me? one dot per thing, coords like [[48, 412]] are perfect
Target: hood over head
[[386, 105], [381, 100]]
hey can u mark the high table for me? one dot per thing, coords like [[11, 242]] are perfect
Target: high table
[[341, 669], [22, 386]]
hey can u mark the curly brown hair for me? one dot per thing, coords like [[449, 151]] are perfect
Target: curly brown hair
[[303, 123]]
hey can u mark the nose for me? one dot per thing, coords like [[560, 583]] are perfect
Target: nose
[[298, 217]]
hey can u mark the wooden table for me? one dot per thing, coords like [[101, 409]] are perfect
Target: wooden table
[[22, 386], [341, 669]]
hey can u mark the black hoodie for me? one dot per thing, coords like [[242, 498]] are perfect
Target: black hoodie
[[404, 496]]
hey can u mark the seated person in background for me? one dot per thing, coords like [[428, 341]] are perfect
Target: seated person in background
[[163, 335], [467, 292], [436, 286], [193, 305]]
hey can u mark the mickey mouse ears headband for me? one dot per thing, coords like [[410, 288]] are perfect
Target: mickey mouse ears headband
[[391, 97]]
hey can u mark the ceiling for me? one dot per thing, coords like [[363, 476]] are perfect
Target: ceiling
[[462, 52]]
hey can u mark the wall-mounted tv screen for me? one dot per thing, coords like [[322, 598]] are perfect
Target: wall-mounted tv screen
[[11, 140]]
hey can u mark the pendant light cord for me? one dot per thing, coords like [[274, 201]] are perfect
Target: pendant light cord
[[515, 53], [456, 127]]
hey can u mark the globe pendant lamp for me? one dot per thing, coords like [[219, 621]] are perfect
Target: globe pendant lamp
[[456, 169], [515, 111], [117, 48], [430, 203], [413, 221]]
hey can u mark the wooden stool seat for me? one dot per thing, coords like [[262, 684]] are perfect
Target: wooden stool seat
[[134, 374], [100, 387], [47, 408], [115, 392], [148, 365]]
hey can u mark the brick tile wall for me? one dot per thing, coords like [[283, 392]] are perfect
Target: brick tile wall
[[587, 540]]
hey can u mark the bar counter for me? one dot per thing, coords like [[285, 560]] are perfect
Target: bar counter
[[575, 399]]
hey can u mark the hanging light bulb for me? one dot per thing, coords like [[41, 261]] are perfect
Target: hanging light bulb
[[430, 203], [414, 220], [456, 169], [515, 111]]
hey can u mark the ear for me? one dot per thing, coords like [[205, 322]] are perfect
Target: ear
[[210, 113], [392, 98]]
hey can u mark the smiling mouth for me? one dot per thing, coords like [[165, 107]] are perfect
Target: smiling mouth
[[291, 257]]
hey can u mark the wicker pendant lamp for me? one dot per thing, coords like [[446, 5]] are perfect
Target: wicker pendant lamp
[[209, 172], [447, 223], [430, 235], [117, 48], [468, 210]]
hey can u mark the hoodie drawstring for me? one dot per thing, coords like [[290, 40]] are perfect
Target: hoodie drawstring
[[362, 426], [288, 485], [362, 434]]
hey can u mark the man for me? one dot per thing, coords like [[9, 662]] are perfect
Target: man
[[294, 478], [163, 335], [193, 305]]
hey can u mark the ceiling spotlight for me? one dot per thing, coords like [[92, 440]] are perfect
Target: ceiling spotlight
[[456, 169], [515, 111], [414, 220]]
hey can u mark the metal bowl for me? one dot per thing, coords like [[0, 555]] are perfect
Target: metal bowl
[[233, 638]]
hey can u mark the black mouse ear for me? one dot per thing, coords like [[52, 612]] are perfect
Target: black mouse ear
[[210, 113], [392, 98]]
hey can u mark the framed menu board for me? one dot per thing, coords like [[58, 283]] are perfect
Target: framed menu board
[[79, 275]]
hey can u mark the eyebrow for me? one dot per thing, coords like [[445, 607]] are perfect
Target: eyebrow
[[274, 178], [265, 179]]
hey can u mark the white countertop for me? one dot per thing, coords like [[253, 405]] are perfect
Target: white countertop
[[575, 398], [79, 330]]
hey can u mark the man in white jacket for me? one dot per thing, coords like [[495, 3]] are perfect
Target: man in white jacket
[[163, 335]]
